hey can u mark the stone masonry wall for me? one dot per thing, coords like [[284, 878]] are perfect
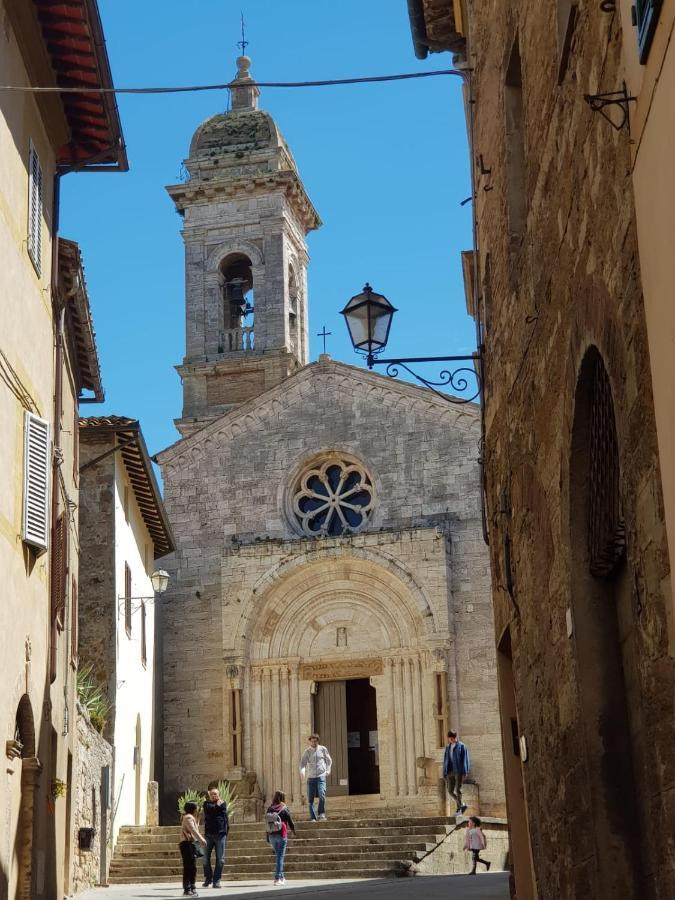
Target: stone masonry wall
[[97, 614], [571, 282], [93, 752], [226, 491]]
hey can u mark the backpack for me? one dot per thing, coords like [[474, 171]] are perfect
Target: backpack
[[273, 822]]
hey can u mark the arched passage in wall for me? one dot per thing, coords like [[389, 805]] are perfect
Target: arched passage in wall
[[27, 774], [603, 634]]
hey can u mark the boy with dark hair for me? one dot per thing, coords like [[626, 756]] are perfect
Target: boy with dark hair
[[456, 766]]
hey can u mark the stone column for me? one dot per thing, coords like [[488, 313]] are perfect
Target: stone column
[[268, 736], [393, 749], [257, 722], [412, 724], [294, 734], [287, 729], [275, 774], [401, 738]]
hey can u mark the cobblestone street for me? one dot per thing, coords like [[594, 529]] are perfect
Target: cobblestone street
[[483, 887]]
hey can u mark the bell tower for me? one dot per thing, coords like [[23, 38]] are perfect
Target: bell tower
[[246, 217]]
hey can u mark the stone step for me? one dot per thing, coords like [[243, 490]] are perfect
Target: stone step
[[262, 857], [299, 875], [311, 833], [302, 848], [330, 823], [374, 847], [262, 866]]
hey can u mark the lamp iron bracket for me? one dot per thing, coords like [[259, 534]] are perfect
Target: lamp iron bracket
[[600, 102]]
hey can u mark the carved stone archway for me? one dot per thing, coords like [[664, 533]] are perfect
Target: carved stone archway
[[335, 617]]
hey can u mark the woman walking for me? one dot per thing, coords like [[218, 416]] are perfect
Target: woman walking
[[189, 835], [278, 821]]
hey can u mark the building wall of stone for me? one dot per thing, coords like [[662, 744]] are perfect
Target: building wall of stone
[[134, 711], [93, 755], [97, 614], [572, 282], [226, 491], [652, 134]]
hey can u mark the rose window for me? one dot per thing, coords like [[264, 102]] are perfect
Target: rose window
[[333, 498]]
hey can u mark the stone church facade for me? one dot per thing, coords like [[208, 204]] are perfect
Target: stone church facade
[[330, 572]]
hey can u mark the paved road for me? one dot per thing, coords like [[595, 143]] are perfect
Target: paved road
[[431, 887]]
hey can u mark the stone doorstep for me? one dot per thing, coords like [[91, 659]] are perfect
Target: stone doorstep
[[243, 853], [251, 861], [331, 822], [306, 875]]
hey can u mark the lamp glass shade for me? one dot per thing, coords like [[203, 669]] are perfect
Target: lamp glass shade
[[368, 316], [160, 581]]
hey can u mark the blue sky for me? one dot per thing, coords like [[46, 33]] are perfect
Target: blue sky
[[385, 165]]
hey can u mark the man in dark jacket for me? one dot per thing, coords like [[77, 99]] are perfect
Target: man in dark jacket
[[216, 827], [456, 766]]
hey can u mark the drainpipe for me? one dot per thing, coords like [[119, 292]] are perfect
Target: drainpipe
[[57, 453]]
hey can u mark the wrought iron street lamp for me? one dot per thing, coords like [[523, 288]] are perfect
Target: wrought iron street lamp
[[369, 315], [160, 582]]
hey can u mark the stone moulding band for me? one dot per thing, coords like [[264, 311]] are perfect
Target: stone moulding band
[[336, 671]]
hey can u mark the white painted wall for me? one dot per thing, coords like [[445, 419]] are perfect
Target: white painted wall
[[133, 546]]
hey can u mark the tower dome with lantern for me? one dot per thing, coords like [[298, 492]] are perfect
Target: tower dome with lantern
[[246, 216]]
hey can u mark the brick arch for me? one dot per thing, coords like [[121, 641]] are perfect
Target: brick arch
[[301, 594]]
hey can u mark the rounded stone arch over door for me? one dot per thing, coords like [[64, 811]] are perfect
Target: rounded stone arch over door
[[330, 618], [27, 774]]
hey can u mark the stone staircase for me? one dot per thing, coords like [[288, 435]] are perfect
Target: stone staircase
[[366, 847]]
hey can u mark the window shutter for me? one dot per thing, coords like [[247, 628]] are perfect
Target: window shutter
[[59, 569], [36, 481], [646, 15], [127, 598], [73, 621], [35, 208], [144, 638]]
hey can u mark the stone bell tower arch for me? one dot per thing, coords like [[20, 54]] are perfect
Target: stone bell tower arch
[[246, 217]]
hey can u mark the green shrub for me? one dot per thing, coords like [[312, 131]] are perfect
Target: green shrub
[[190, 796], [228, 795], [93, 697]]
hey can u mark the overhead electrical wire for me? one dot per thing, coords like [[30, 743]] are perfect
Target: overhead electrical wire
[[368, 79]]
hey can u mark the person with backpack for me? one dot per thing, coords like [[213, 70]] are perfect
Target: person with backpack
[[216, 828], [315, 765], [278, 821]]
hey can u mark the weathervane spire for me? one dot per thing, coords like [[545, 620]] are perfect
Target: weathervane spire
[[243, 90], [243, 43]]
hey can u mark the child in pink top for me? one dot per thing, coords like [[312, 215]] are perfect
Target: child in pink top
[[475, 842]]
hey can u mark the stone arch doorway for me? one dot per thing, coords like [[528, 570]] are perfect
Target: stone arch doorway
[[604, 640], [328, 621], [27, 770]]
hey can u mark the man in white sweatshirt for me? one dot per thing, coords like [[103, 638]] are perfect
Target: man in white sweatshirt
[[315, 766]]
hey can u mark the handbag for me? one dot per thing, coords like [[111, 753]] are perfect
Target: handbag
[[197, 849]]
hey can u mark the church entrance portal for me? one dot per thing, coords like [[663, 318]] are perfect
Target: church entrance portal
[[345, 715]]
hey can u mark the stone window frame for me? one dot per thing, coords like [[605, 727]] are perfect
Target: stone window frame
[[316, 462]]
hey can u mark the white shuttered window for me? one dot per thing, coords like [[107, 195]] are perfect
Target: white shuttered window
[[35, 208], [36, 481]]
